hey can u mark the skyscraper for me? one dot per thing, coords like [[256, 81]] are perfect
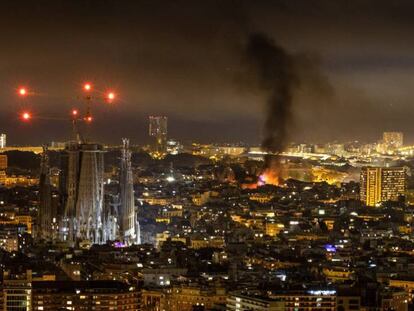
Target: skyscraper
[[158, 132], [83, 187], [380, 184], [3, 141], [129, 227], [45, 222]]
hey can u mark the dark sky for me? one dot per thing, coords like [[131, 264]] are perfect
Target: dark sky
[[182, 59]]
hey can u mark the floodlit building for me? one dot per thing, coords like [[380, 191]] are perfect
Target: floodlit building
[[381, 184], [158, 132], [17, 291], [3, 167], [289, 300], [241, 301], [84, 295], [3, 141], [188, 298], [129, 226], [82, 188]]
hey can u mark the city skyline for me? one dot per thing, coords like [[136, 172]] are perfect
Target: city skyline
[[195, 155]]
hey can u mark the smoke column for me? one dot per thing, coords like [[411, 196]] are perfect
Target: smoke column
[[277, 76]]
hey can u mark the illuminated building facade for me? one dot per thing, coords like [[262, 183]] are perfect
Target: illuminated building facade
[[17, 291], [153, 300], [158, 132], [3, 167], [84, 295], [82, 186], [273, 228], [290, 300], [3, 161], [3, 141], [174, 147], [380, 184], [195, 298], [129, 226], [12, 235]]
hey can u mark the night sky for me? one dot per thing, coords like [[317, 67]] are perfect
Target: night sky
[[182, 59]]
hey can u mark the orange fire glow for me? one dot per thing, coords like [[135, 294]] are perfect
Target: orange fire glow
[[250, 186], [270, 176]]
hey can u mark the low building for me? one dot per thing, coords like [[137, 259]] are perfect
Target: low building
[[188, 298], [17, 291], [283, 301], [239, 302], [84, 295]]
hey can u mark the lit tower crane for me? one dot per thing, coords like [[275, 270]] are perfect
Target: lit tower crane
[[76, 115], [25, 114], [82, 187], [87, 118]]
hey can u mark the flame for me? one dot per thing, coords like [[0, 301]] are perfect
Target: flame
[[269, 177], [249, 186]]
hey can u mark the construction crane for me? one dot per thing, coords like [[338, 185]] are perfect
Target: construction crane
[[76, 116]]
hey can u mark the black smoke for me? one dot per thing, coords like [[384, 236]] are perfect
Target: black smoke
[[281, 75], [277, 77]]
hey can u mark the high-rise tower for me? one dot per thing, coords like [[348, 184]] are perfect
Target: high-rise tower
[[129, 227], [3, 141], [381, 184], [158, 132], [46, 222]]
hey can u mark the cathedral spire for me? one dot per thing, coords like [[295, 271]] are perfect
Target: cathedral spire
[[129, 227]]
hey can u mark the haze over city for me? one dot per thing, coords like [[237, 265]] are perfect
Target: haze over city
[[202, 155], [183, 59]]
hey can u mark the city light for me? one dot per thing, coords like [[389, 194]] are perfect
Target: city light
[[330, 248], [326, 292]]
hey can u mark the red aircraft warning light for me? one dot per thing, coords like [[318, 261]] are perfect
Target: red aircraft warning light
[[89, 119], [87, 87], [110, 96], [75, 112], [26, 116], [22, 91]]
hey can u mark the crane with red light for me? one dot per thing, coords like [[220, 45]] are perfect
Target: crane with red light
[[22, 91], [76, 116], [26, 116]]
